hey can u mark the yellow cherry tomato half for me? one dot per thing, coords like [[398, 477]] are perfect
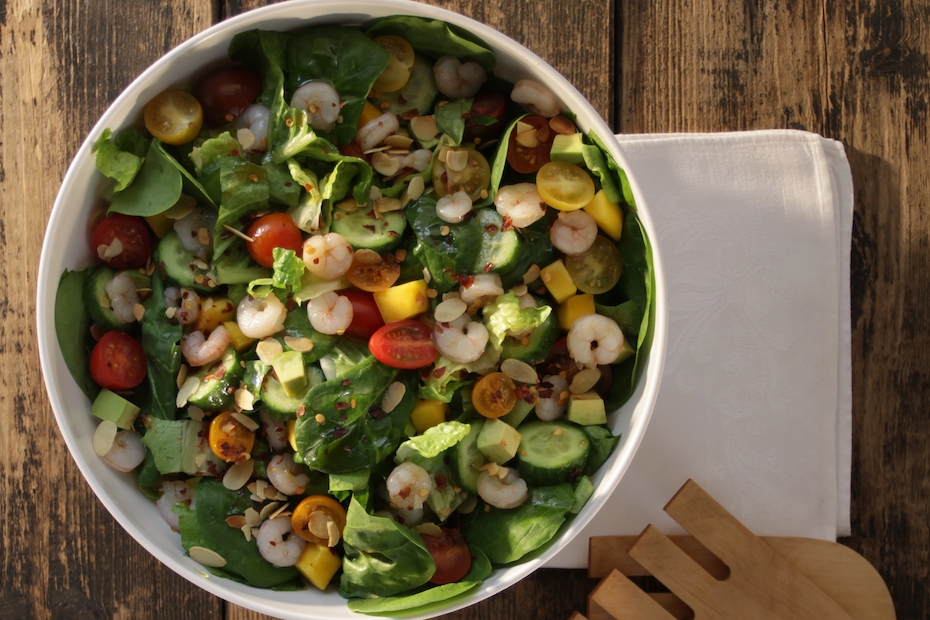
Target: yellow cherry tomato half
[[174, 116], [312, 517], [494, 395], [400, 64], [597, 270], [564, 186], [229, 438]]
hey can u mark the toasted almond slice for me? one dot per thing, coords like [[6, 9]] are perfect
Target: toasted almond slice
[[207, 557], [520, 290], [492, 468], [333, 533], [450, 309], [115, 249], [385, 164], [427, 276], [519, 371], [424, 127], [170, 312], [104, 437], [531, 274], [303, 345], [187, 390], [392, 397], [245, 420], [236, 521], [103, 300], [374, 193], [561, 125], [102, 251], [182, 375], [138, 311], [503, 471], [252, 518], [267, 509], [585, 380], [386, 205], [196, 413], [398, 141], [247, 532], [349, 204], [282, 511], [246, 402], [457, 159], [237, 475], [429, 529], [415, 188], [319, 522], [268, 349]]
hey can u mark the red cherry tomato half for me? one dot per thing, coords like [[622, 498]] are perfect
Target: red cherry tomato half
[[135, 243], [534, 151], [226, 93], [403, 344], [451, 554], [118, 361], [275, 230], [366, 318], [488, 104]]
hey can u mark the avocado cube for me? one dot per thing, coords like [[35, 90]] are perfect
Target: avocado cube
[[115, 408], [586, 409], [498, 441], [518, 413], [568, 148], [289, 367]]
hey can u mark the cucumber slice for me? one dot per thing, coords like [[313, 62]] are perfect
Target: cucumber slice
[[417, 94], [179, 264], [467, 458], [94, 291], [550, 452], [216, 379], [276, 400], [363, 230], [536, 346], [499, 250]]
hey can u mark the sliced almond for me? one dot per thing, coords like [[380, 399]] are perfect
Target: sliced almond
[[398, 141], [247, 532], [520, 290], [392, 397], [268, 349], [503, 471], [196, 413], [349, 204], [333, 534], [238, 475], [318, 523], [528, 139], [115, 249], [532, 274], [386, 204], [457, 159], [207, 557], [429, 529], [138, 311], [187, 390], [104, 437], [246, 402], [304, 345], [104, 301], [245, 138], [519, 371], [585, 380], [374, 193], [252, 518], [384, 164], [182, 375], [415, 188], [267, 509], [427, 276], [492, 468], [236, 521], [561, 125], [245, 420], [449, 310], [424, 127]]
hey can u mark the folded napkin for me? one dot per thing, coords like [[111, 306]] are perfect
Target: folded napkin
[[754, 230]]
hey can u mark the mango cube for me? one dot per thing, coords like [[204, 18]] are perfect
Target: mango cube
[[404, 301], [318, 563], [369, 113], [428, 413], [215, 311], [574, 308], [292, 433], [557, 279], [160, 224], [608, 215], [240, 341]]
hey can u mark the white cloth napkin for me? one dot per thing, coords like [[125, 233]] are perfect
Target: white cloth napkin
[[755, 403]]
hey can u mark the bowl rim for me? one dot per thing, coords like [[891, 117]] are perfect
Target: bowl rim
[[332, 11]]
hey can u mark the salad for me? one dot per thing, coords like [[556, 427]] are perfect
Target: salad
[[361, 312]]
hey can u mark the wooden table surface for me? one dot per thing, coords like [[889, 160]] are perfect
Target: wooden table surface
[[854, 70]]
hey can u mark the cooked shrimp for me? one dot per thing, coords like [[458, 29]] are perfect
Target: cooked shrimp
[[330, 313], [505, 493], [535, 98], [195, 231], [375, 131], [419, 159], [462, 340], [458, 80], [594, 340], [252, 127], [177, 492], [278, 543], [187, 302], [574, 232], [409, 485], [327, 256], [549, 402], [481, 285], [286, 475], [321, 101], [127, 451], [123, 298], [453, 208], [520, 202], [259, 317], [199, 350], [275, 430]]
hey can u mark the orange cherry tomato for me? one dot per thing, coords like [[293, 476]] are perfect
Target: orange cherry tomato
[[373, 273], [494, 395], [313, 514], [229, 439]]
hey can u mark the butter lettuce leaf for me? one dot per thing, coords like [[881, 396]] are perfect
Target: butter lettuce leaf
[[288, 271], [120, 162], [504, 316], [434, 441]]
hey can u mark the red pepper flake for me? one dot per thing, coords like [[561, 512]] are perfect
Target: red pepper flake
[[439, 372], [301, 410], [369, 227], [491, 228], [340, 432], [216, 374], [488, 267], [464, 280], [506, 224], [340, 406], [404, 492], [441, 482], [377, 412], [236, 153], [344, 382]]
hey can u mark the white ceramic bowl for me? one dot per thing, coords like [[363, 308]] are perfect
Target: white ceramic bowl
[[63, 249]]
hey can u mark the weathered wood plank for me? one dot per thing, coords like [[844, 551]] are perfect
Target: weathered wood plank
[[61, 554]]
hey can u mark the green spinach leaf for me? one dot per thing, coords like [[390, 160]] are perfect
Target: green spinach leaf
[[244, 190], [161, 341], [156, 187], [450, 119], [72, 326], [435, 38]]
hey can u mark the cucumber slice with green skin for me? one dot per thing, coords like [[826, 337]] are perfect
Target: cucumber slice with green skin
[[538, 343], [276, 400], [551, 452], [499, 250], [363, 230], [94, 291], [417, 94], [467, 458], [179, 265], [216, 379]]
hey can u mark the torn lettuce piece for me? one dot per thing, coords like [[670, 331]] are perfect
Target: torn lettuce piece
[[308, 213], [208, 154], [244, 191], [434, 441], [120, 160], [504, 316], [288, 271]]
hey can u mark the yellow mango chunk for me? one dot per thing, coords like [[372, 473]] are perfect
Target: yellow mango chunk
[[608, 215], [318, 563], [291, 434], [404, 301], [215, 311], [369, 113], [160, 224], [574, 308], [428, 413], [240, 341], [557, 279]]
